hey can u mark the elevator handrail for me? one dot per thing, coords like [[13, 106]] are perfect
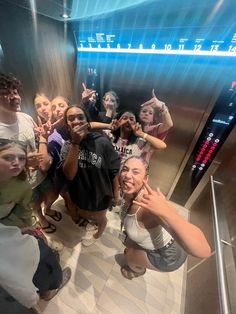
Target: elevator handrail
[[224, 302]]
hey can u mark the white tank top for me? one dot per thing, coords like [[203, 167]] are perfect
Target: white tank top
[[150, 239]]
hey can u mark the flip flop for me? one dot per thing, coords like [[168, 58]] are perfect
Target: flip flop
[[50, 228], [66, 275], [128, 273], [82, 222], [57, 216]]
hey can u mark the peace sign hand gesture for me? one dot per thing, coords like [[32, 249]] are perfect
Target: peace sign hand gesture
[[87, 93], [137, 129], [45, 129]]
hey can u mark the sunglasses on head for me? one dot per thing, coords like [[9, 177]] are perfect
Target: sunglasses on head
[[4, 141]]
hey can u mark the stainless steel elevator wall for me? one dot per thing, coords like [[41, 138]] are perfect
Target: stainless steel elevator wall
[[202, 274]]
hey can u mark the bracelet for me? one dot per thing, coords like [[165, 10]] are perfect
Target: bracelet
[[42, 142], [145, 136]]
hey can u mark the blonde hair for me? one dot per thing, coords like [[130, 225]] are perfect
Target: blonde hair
[[6, 144]]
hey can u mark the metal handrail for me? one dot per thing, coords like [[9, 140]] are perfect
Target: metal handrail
[[224, 303]]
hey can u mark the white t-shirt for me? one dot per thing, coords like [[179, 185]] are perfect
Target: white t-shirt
[[22, 130], [19, 259], [141, 148]]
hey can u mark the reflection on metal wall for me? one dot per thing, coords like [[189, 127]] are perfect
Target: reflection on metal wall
[[36, 51], [181, 84]]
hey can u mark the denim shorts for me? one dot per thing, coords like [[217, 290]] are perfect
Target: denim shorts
[[167, 258]]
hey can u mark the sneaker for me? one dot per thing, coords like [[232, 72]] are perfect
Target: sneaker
[[55, 245], [88, 241], [91, 227], [116, 209]]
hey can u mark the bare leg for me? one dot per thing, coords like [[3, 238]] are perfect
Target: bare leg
[[137, 259], [49, 198], [38, 211], [101, 222], [70, 206], [98, 217]]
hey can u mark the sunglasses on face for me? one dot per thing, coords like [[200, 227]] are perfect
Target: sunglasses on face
[[73, 117]]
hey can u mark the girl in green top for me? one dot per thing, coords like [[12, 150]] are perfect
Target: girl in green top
[[15, 191]]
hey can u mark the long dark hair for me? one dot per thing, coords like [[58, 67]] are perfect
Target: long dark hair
[[116, 133], [65, 118]]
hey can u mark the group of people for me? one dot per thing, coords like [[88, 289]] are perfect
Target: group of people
[[94, 161]]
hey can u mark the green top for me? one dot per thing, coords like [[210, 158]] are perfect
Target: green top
[[15, 196]]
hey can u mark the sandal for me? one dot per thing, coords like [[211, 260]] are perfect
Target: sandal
[[50, 228], [128, 273], [82, 222], [66, 275], [57, 216]]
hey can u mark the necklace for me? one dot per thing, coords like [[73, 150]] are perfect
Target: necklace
[[125, 207]]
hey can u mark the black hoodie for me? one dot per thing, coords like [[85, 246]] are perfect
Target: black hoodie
[[98, 164]]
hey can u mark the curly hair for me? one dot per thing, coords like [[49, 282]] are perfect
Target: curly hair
[[116, 133], [8, 82]]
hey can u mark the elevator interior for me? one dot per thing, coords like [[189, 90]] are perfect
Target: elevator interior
[[41, 49]]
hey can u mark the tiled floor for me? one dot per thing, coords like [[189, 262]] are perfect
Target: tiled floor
[[97, 285]]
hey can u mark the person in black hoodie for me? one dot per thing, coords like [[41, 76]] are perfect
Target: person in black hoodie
[[90, 164]]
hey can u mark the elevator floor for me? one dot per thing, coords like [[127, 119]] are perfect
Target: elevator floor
[[97, 285]]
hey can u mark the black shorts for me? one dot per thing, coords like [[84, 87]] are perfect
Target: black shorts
[[48, 275], [168, 258]]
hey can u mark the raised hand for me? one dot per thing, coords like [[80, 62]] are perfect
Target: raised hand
[[34, 160], [114, 125], [121, 121], [87, 93], [79, 132], [110, 106], [45, 129], [137, 129], [152, 200], [154, 102]]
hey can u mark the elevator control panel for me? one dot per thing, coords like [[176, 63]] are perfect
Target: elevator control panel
[[217, 128]]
